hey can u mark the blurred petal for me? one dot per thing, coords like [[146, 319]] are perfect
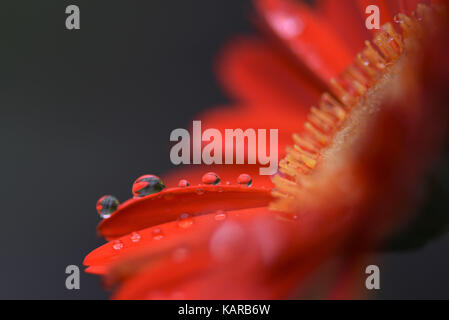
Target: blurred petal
[[307, 35], [265, 78], [345, 19]]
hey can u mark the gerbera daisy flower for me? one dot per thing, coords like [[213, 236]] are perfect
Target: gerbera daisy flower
[[349, 176]]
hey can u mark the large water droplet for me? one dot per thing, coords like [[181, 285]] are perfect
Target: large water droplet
[[106, 205], [185, 220], [135, 237], [245, 179], [146, 185], [117, 245], [183, 183], [157, 234], [211, 178]]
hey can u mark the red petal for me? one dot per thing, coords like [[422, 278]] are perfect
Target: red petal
[[244, 258], [259, 74], [347, 21], [308, 36], [171, 235], [167, 205], [98, 270]]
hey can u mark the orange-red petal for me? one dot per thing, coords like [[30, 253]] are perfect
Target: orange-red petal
[[265, 78], [347, 21], [307, 35], [170, 234], [167, 205]]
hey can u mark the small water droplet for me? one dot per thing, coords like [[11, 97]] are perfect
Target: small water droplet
[[200, 191], [245, 179], [228, 183], [183, 183], [211, 178], [135, 237], [185, 220], [220, 215], [146, 185], [157, 234], [106, 205], [117, 245]]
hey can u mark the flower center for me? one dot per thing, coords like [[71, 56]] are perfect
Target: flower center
[[341, 118]]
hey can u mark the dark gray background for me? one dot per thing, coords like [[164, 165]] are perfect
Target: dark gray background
[[84, 113]]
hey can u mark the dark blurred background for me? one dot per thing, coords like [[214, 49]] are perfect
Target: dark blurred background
[[83, 113]]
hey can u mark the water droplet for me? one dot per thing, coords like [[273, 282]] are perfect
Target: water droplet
[[183, 183], [220, 215], [106, 205], [200, 191], [135, 237], [157, 234], [146, 185], [228, 183], [117, 245], [245, 179], [185, 220], [211, 178]]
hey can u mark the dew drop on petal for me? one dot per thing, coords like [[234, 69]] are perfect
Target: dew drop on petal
[[146, 185], [245, 179], [185, 220], [211, 178], [135, 237], [157, 234], [106, 206], [183, 183], [220, 215], [117, 245]]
